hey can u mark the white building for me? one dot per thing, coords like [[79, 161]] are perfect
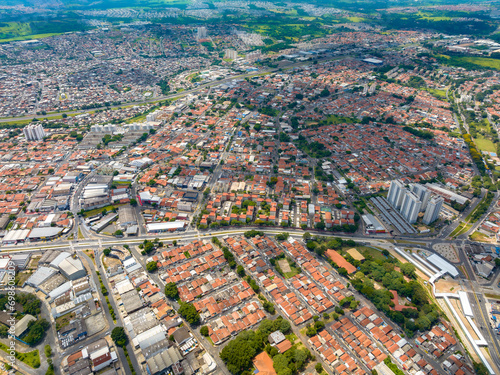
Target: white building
[[231, 54], [422, 193], [253, 56], [410, 207], [108, 128], [34, 132], [201, 33], [433, 209], [396, 194]]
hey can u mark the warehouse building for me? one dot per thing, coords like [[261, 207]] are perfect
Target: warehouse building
[[162, 362], [126, 216], [22, 326], [72, 268], [41, 275], [45, 234], [170, 226], [15, 236]]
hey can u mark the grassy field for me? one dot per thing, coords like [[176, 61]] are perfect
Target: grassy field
[[141, 117], [32, 358], [333, 119], [16, 123], [99, 210], [492, 296], [483, 61], [484, 144], [461, 229], [438, 93], [478, 236], [21, 277], [292, 273], [64, 320], [356, 19], [284, 265], [14, 29], [28, 37], [430, 17], [374, 253]]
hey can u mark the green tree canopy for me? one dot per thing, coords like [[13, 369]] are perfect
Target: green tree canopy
[[171, 291], [119, 336], [188, 312]]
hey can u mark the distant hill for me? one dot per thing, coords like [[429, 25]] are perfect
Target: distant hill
[[85, 4]]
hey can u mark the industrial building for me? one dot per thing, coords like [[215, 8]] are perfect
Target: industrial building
[[71, 268], [15, 236], [40, 276], [162, 362], [447, 195], [166, 226], [126, 216], [391, 216], [372, 224], [104, 222], [45, 234], [22, 326]]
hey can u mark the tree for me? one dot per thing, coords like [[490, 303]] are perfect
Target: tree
[[189, 312], [324, 93], [152, 266], [285, 326], [148, 247], [318, 368], [118, 233], [48, 351], [306, 236], [282, 236], [36, 331], [238, 353], [171, 291], [204, 331], [119, 336], [133, 202], [311, 331], [320, 225], [319, 325], [240, 271], [480, 369], [408, 270], [106, 251], [353, 305]]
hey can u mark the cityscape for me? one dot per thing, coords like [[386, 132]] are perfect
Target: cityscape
[[249, 187]]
